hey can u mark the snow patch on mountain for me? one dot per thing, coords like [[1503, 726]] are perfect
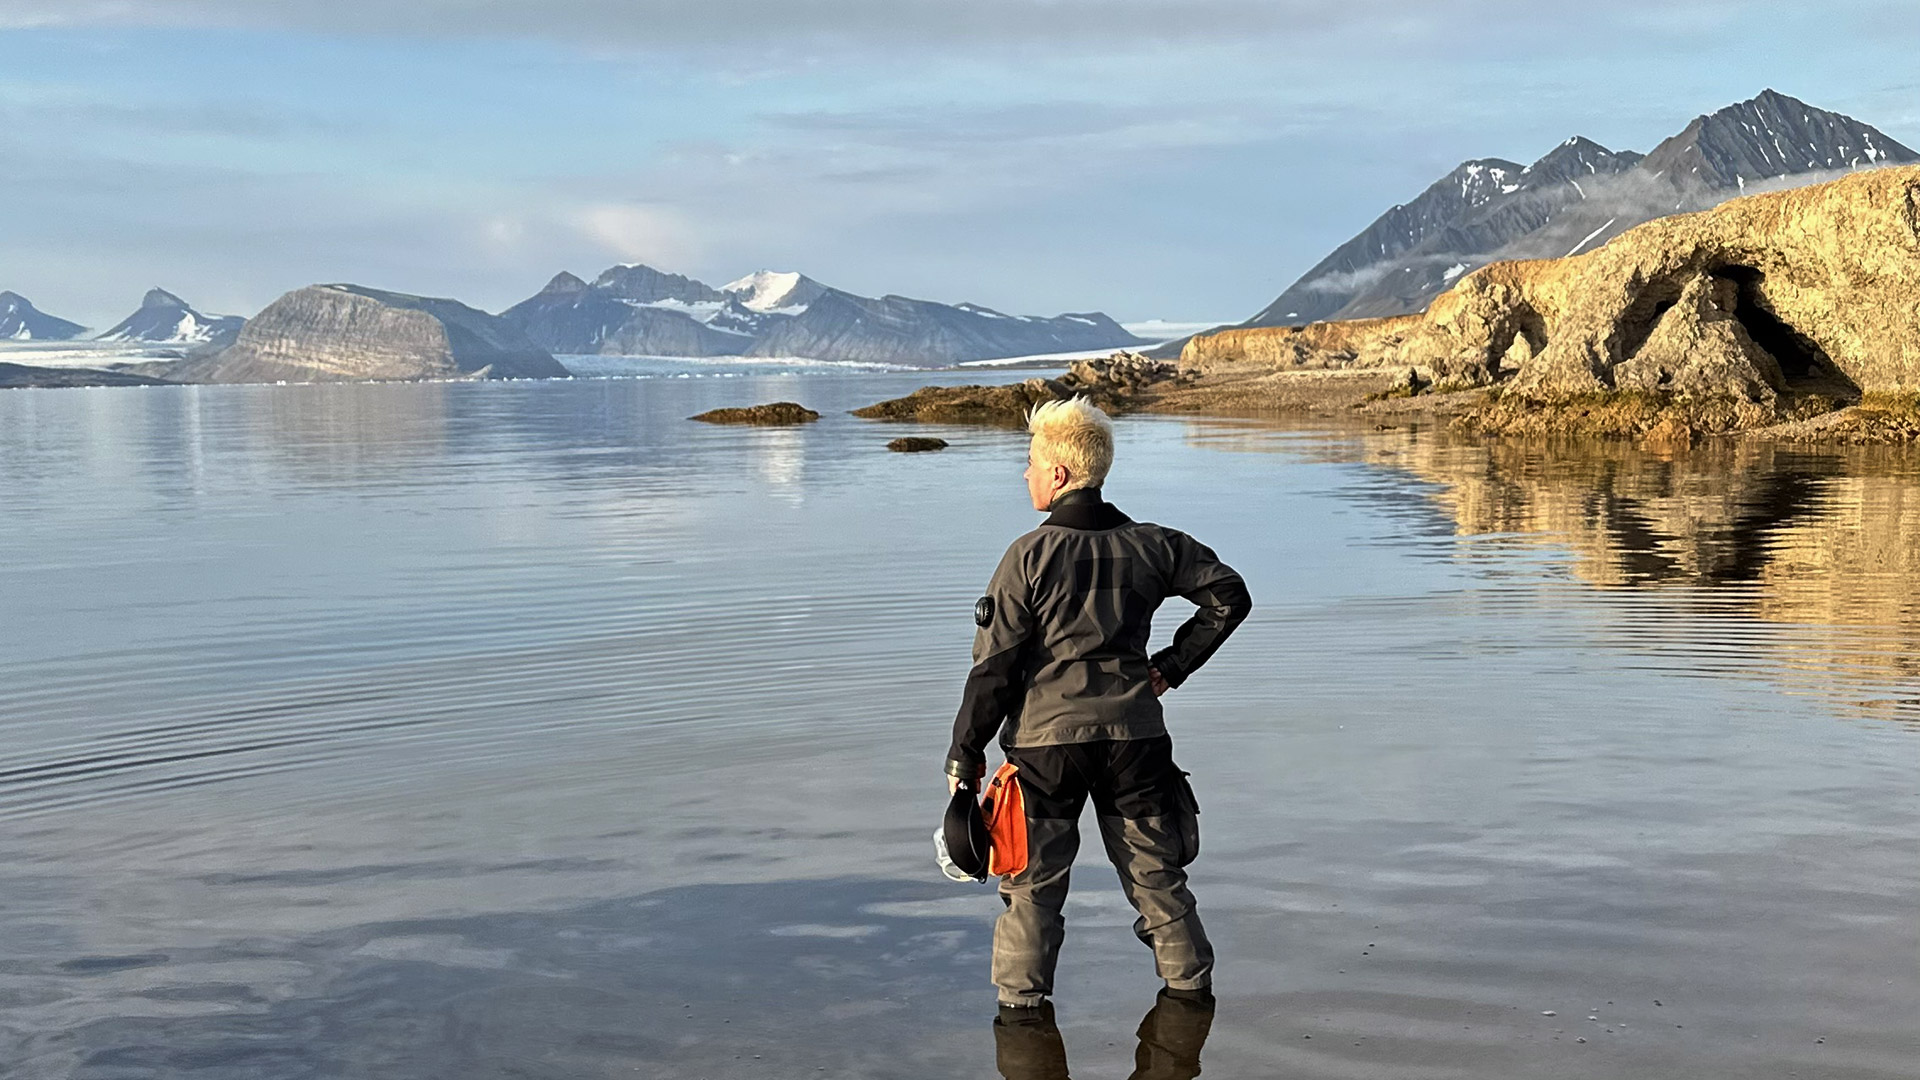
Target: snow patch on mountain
[[764, 290]]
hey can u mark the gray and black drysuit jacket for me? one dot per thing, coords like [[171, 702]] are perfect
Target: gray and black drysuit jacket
[[1061, 651]]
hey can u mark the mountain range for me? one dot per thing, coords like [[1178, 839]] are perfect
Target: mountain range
[[1577, 197], [638, 310], [161, 319]]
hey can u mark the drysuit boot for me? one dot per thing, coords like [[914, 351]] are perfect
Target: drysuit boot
[[1148, 822]]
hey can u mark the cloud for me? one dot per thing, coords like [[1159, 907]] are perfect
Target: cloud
[[632, 232], [803, 26], [1348, 283]]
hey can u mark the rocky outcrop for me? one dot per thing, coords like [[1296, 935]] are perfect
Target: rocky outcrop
[[21, 321], [343, 333], [1760, 307], [1119, 383], [995, 406], [1317, 346], [776, 414]]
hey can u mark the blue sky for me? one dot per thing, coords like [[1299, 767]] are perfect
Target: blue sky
[[1179, 159]]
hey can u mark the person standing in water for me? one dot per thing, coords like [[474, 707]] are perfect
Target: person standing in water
[[1061, 672]]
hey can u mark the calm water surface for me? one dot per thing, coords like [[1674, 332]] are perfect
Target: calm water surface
[[530, 730]]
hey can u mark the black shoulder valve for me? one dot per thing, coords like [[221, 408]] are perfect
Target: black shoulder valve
[[983, 612]]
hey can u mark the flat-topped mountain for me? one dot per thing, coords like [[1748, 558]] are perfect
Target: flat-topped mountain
[[1574, 199], [21, 321], [637, 310], [333, 333], [165, 319]]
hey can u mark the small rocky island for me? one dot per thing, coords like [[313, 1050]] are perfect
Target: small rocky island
[[776, 414], [1789, 313], [1119, 383], [916, 444]]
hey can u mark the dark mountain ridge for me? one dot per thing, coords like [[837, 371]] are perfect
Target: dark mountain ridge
[[21, 321], [164, 318], [638, 310], [1577, 197]]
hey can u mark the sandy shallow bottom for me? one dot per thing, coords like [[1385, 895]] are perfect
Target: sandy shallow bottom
[[531, 731]]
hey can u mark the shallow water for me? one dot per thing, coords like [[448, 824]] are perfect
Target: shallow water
[[473, 730]]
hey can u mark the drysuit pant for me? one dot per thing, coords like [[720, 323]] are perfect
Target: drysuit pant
[[1150, 825]]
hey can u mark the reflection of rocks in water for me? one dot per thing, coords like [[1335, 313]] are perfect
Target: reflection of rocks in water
[[1828, 537]]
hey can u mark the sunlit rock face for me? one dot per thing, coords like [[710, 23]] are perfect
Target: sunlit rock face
[[1818, 282], [335, 333]]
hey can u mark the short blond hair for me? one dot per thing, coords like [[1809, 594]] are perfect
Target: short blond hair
[[1074, 433]]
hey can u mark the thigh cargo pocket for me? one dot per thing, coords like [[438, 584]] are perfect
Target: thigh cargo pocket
[[1186, 819]]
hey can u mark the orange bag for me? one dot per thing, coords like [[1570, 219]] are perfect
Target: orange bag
[[1006, 813]]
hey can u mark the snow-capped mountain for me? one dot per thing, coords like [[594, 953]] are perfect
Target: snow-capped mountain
[[1574, 199], [164, 318], [21, 321], [637, 310], [571, 316], [767, 290]]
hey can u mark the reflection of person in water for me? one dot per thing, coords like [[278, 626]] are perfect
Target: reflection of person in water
[[1027, 1043]]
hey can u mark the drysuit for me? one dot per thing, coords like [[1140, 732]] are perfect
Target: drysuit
[[1061, 671]]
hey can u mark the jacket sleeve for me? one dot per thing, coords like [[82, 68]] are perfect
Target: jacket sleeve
[[996, 687], [1224, 603]]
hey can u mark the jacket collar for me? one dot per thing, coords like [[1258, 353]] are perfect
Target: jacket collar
[[1083, 508]]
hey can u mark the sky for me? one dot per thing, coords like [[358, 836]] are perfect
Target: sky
[[1172, 159]]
